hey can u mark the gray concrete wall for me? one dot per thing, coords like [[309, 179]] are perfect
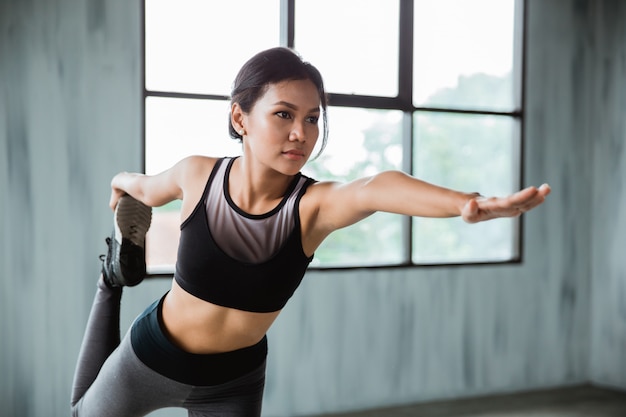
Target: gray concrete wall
[[70, 102], [608, 194], [70, 117]]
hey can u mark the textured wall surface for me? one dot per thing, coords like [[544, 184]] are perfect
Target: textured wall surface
[[608, 277], [70, 117]]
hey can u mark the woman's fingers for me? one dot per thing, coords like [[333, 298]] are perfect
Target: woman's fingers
[[480, 208]]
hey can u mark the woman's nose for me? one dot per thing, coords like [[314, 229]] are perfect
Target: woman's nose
[[297, 133]]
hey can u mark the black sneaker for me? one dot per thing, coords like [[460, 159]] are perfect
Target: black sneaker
[[125, 261]]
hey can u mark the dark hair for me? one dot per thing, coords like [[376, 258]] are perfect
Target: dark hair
[[271, 67]]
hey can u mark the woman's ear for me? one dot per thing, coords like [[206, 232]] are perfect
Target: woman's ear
[[237, 118]]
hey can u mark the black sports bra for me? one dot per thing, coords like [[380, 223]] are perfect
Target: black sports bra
[[206, 270]]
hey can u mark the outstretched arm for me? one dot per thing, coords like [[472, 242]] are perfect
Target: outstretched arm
[[396, 192]]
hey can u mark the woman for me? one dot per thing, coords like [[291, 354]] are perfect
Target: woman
[[250, 227]]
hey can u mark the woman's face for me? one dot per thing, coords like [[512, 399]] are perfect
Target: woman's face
[[282, 128]]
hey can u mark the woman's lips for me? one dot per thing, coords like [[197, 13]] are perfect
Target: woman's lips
[[294, 154]]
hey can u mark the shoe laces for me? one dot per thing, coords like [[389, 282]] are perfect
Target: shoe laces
[[103, 257]]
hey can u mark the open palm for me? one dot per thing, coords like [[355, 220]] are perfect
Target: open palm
[[480, 208]]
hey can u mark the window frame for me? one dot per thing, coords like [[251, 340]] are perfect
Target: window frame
[[402, 102]]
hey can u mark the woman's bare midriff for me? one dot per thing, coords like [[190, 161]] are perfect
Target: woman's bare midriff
[[197, 326]]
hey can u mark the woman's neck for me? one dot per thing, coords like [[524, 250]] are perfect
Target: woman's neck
[[256, 189]]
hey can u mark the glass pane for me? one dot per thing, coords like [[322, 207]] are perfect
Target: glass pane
[[472, 153], [197, 46], [464, 54], [176, 128], [362, 142], [354, 43]]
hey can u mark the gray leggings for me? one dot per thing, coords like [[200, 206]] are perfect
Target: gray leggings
[[111, 381]]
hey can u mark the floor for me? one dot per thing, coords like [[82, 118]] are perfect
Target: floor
[[585, 401]]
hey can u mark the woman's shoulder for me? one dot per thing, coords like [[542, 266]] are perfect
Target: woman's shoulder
[[316, 193], [195, 169], [196, 164], [199, 161], [321, 188]]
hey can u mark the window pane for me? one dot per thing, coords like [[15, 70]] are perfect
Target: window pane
[[463, 54], [363, 142], [354, 43], [197, 46], [473, 153], [176, 128]]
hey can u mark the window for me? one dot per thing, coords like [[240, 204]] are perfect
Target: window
[[432, 88]]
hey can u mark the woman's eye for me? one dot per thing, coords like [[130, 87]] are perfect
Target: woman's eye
[[283, 115], [312, 119]]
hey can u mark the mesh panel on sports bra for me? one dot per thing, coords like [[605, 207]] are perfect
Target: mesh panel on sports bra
[[243, 236]]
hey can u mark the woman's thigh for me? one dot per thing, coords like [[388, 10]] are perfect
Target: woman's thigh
[[126, 387]]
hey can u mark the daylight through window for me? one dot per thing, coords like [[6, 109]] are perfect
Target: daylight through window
[[432, 88]]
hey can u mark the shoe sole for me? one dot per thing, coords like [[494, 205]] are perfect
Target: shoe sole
[[132, 220]]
